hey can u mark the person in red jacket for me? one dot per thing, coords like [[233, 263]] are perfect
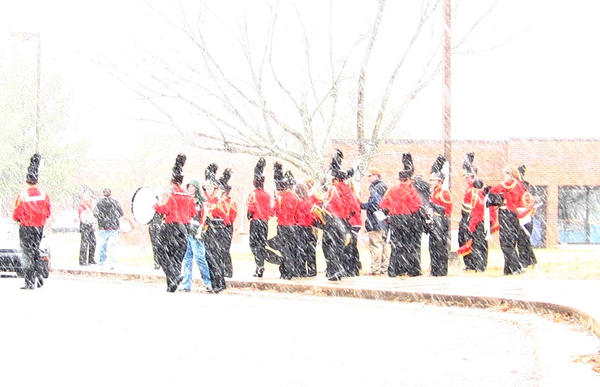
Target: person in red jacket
[[259, 212], [216, 234], [230, 210], [469, 172], [339, 204], [286, 202], [179, 208], [305, 237], [351, 260], [508, 196], [402, 205], [441, 205], [525, 213], [32, 209]]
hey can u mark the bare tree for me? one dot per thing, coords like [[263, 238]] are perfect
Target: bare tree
[[263, 107]]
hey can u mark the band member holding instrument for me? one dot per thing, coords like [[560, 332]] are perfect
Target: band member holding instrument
[[469, 172], [508, 196], [525, 213], [179, 208], [32, 209], [441, 206], [215, 232]]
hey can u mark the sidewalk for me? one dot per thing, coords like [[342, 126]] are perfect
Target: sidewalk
[[572, 299]]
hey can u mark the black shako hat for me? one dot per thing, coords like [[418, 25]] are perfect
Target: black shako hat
[[468, 168], [223, 182], [280, 181], [336, 165], [521, 169], [33, 169], [437, 169], [259, 177], [177, 176], [210, 175], [289, 179], [407, 163]]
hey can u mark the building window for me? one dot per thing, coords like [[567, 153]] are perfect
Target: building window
[[579, 214]]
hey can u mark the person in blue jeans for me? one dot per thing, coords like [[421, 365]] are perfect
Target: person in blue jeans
[[195, 245]]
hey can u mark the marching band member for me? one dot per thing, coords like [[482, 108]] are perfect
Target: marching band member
[[178, 208], [32, 209], [469, 172], [441, 205], [259, 212], [402, 204], [286, 202], [525, 214], [508, 195], [339, 204], [216, 234], [230, 210]]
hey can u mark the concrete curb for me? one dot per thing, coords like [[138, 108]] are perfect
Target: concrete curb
[[581, 318]]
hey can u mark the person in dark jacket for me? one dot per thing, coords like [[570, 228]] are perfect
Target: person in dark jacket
[[375, 226], [107, 211]]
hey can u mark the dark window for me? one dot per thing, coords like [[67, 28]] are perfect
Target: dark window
[[579, 214]]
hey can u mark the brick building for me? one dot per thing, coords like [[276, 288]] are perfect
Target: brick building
[[561, 171]]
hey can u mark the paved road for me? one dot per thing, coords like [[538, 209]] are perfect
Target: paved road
[[97, 333]]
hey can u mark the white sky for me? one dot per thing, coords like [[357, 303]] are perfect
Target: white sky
[[542, 83]]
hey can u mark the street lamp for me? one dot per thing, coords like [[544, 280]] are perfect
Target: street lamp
[[26, 36], [447, 77]]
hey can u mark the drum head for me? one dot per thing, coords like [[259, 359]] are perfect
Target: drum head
[[141, 204]]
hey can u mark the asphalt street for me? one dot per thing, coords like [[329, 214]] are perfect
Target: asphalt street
[[89, 332]]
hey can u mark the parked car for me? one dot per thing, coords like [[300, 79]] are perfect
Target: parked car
[[65, 221], [11, 254]]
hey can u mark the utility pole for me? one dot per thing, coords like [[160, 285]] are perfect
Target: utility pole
[[26, 36], [447, 111]]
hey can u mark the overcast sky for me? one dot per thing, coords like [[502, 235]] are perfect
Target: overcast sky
[[543, 82]]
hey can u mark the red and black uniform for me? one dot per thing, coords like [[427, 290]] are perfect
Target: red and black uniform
[[32, 208], [230, 209], [402, 203], [351, 260], [306, 238], [285, 211], [216, 239], [525, 214], [463, 225], [339, 202], [178, 209], [87, 247], [259, 212], [441, 203], [511, 191]]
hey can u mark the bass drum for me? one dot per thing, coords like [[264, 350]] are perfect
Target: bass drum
[[142, 204]]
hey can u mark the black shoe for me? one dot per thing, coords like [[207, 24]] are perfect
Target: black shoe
[[184, 290], [40, 281], [28, 287], [156, 267], [92, 263], [82, 264], [259, 272], [335, 277]]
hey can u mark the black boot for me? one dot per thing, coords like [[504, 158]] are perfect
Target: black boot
[[259, 272]]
